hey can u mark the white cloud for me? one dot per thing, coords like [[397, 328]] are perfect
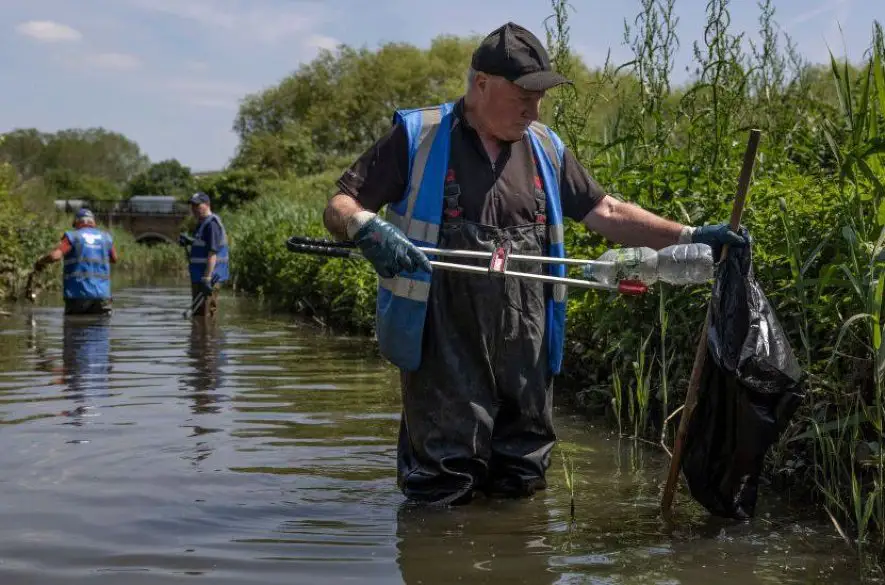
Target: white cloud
[[47, 31], [267, 21], [113, 61]]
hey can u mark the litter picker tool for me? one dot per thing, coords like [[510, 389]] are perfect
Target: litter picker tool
[[198, 301], [694, 383], [498, 261]]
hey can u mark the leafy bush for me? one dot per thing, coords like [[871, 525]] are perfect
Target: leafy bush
[[339, 292]]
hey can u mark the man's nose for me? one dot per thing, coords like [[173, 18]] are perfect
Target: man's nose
[[532, 110]]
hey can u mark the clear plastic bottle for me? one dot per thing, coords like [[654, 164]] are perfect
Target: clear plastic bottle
[[686, 264], [679, 264]]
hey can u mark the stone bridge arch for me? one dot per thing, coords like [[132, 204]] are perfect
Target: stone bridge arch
[[154, 238]]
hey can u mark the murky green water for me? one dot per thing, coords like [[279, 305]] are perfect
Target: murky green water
[[150, 449]]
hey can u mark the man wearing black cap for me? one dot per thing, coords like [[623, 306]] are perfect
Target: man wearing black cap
[[208, 264], [477, 355], [88, 253]]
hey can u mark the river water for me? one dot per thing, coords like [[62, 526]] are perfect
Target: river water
[[148, 448]]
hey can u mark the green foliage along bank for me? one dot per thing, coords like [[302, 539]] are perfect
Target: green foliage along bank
[[338, 292]]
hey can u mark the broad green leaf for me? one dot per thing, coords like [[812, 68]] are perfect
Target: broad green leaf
[[819, 429], [843, 330], [879, 69], [862, 110], [875, 307], [814, 254]]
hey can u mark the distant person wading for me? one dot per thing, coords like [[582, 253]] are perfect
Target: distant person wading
[[208, 257], [88, 253]]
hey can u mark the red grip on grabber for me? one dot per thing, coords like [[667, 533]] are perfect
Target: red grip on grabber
[[632, 287]]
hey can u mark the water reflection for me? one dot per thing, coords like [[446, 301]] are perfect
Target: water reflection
[[476, 544], [206, 357], [85, 369]]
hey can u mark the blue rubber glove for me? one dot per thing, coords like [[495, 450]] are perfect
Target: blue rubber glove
[[388, 249], [717, 235]]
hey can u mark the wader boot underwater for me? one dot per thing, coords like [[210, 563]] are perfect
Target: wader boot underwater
[[477, 413]]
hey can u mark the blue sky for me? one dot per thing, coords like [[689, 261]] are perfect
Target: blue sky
[[169, 73]]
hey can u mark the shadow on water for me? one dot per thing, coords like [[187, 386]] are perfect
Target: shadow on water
[[145, 448]]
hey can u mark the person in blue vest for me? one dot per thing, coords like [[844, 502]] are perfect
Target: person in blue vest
[[88, 253], [478, 355], [208, 264]]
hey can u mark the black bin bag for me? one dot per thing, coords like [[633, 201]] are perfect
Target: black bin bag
[[750, 388]]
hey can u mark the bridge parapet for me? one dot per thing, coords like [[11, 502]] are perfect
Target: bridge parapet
[[151, 219]]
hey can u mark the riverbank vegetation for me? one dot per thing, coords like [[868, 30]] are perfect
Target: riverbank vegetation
[[816, 212]]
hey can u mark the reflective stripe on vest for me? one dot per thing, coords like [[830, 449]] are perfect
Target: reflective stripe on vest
[[544, 140], [87, 268], [402, 300]]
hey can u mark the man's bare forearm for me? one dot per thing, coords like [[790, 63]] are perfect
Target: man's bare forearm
[[339, 210], [48, 258], [211, 261], [630, 225]]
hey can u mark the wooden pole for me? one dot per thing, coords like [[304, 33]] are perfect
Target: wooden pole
[[691, 398]]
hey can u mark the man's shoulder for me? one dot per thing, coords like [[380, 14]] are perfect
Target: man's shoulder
[[418, 117], [428, 108]]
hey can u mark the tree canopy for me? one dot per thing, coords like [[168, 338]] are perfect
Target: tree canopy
[[168, 177], [340, 102]]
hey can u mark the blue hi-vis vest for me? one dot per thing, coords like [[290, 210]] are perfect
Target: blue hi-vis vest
[[200, 253], [402, 300], [87, 266]]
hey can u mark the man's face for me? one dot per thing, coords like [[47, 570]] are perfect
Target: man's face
[[508, 108], [199, 210]]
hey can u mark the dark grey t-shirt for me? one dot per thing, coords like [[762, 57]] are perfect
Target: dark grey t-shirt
[[502, 194]]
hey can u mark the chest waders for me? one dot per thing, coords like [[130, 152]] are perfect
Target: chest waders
[[477, 412]]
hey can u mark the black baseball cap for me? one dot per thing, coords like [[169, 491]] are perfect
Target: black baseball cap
[[514, 53], [198, 197]]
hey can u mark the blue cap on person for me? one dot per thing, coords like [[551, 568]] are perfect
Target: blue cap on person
[[198, 197], [82, 215]]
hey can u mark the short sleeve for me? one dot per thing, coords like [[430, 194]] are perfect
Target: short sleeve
[[379, 176], [579, 193]]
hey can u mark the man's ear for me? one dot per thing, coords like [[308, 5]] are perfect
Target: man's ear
[[482, 81]]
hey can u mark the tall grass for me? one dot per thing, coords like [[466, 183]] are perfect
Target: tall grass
[[818, 221], [848, 427]]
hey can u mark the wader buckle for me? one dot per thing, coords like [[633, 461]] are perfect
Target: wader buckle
[[498, 262]]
